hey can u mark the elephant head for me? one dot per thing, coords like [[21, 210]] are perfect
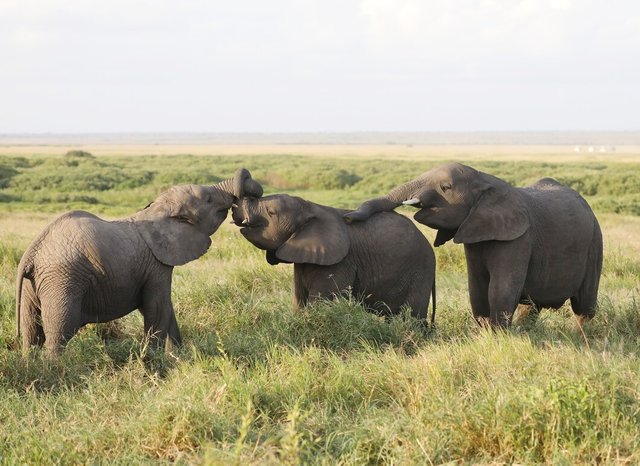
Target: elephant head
[[458, 201], [292, 230], [178, 224]]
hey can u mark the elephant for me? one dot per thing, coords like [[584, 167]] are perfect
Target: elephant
[[82, 269], [540, 244], [386, 261]]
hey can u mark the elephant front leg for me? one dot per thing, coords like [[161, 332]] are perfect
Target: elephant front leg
[[478, 295], [160, 323], [503, 301], [497, 273], [300, 290], [505, 288], [159, 317]]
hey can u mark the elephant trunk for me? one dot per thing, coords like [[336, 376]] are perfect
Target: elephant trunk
[[386, 203], [240, 185]]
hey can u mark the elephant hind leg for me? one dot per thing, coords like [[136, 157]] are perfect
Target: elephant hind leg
[[61, 319], [30, 318], [419, 296], [585, 301]]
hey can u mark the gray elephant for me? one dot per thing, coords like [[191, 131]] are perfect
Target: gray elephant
[[82, 269], [386, 261], [540, 244]]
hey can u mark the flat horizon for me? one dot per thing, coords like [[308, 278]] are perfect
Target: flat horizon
[[328, 138]]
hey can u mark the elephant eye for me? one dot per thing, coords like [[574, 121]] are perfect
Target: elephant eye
[[183, 219], [445, 187], [270, 212]]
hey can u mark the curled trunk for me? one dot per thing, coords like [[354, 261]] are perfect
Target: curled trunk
[[240, 185]]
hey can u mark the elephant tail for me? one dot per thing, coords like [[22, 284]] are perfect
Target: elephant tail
[[433, 302], [19, 279]]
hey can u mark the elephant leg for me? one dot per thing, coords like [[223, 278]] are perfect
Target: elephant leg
[[30, 317], [300, 290], [61, 320], [158, 313], [584, 302], [478, 295], [497, 273], [418, 300], [174, 331], [505, 288]]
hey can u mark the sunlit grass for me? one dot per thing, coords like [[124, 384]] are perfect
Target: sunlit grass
[[257, 382]]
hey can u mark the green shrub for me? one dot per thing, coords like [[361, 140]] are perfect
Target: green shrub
[[336, 179], [6, 174], [79, 154]]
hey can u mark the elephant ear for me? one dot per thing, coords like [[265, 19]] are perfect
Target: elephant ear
[[169, 233], [323, 239], [498, 215]]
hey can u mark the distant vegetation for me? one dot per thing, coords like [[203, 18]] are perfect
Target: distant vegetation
[[118, 184]]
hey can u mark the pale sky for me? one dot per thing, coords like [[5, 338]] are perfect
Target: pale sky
[[327, 65]]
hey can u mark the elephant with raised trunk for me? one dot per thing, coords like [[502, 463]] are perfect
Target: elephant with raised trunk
[[82, 269], [385, 261], [540, 244]]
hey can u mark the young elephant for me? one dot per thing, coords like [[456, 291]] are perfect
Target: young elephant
[[83, 269], [539, 244], [386, 261]]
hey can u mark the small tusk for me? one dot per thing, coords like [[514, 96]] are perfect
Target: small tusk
[[245, 221], [413, 201], [234, 205]]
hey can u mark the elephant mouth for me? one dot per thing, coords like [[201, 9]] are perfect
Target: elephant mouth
[[247, 225]]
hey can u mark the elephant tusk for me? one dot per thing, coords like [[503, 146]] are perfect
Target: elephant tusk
[[245, 221], [412, 201], [234, 205]]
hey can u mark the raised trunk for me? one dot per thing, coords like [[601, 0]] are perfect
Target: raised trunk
[[383, 204], [240, 185]]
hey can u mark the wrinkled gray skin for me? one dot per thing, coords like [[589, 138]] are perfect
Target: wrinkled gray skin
[[539, 244], [386, 260], [83, 269]]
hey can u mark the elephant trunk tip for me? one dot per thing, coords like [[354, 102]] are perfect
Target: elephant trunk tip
[[355, 216]]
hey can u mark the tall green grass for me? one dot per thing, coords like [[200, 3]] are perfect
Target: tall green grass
[[330, 384]]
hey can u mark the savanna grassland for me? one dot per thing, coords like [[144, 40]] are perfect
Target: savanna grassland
[[258, 383]]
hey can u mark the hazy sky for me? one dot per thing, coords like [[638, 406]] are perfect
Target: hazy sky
[[325, 65]]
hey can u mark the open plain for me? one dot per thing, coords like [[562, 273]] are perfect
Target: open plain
[[256, 382]]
